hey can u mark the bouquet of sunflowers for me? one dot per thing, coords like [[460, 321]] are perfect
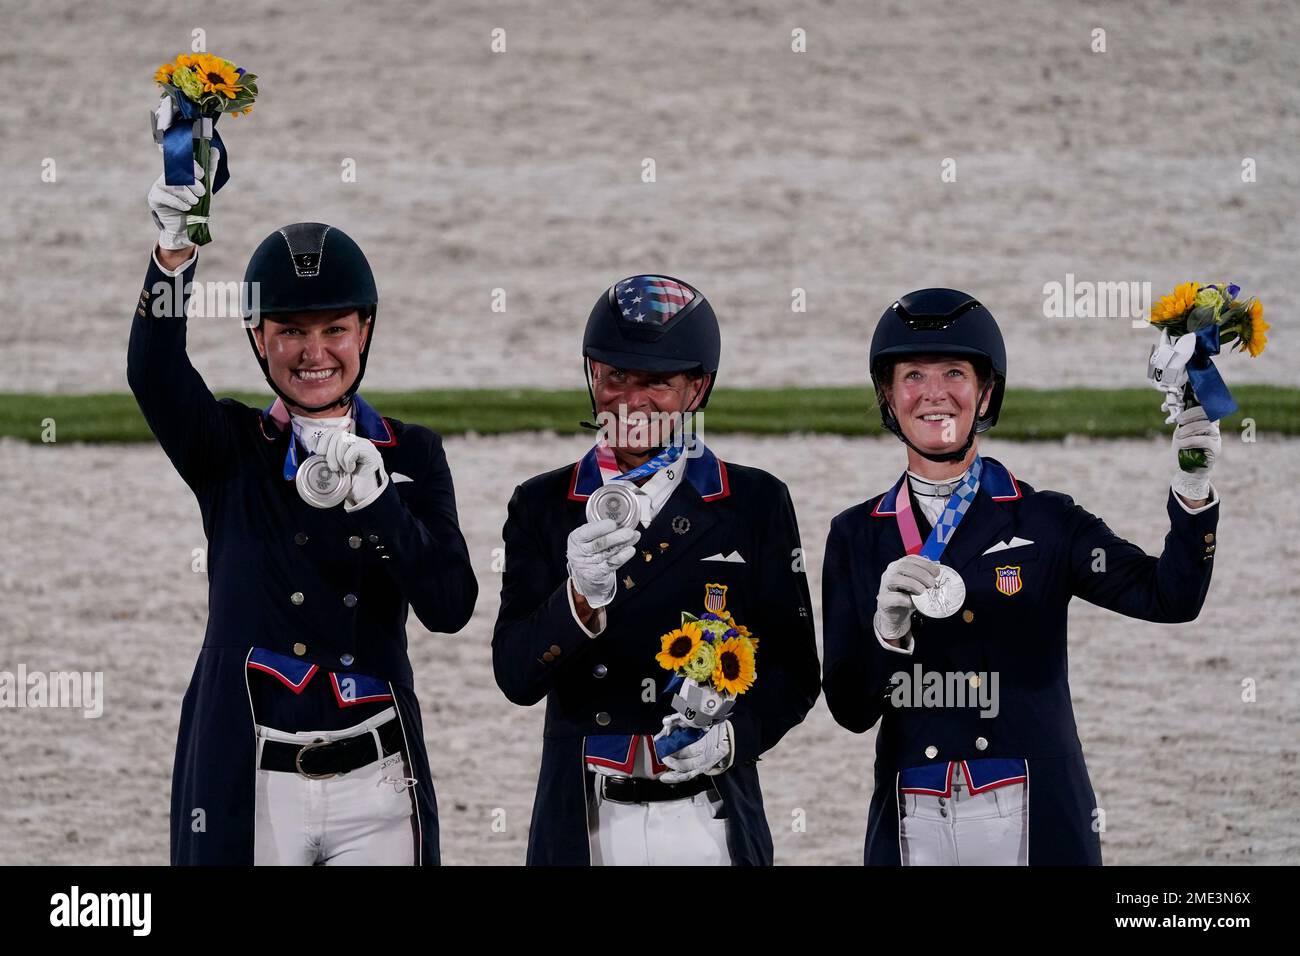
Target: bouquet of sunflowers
[[197, 89], [1194, 322], [712, 659]]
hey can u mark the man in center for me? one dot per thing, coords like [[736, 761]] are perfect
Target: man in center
[[584, 605]]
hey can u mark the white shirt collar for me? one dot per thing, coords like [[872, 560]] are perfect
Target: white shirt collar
[[309, 430], [654, 494]]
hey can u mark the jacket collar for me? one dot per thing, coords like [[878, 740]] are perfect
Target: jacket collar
[[996, 482], [275, 422], [984, 522], [706, 472]]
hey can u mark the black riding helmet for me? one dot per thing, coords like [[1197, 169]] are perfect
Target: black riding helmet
[[940, 322], [655, 324], [309, 267]]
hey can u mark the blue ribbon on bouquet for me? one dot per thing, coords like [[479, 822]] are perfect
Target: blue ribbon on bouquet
[[178, 146], [680, 737], [1207, 384]]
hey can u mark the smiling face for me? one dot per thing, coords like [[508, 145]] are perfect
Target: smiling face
[[634, 396], [313, 357], [934, 399]]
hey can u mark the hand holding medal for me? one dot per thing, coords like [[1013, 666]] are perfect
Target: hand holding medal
[[946, 594]]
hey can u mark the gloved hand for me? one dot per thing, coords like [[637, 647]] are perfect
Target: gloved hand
[[169, 204], [1195, 430], [358, 457], [910, 574], [596, 551], [1167, 370], [710, 754]]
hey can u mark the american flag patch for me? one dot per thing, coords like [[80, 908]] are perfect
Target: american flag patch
[[1008, 579], [715, 598], [651, 299]]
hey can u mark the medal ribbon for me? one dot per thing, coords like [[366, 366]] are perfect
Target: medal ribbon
[[608, 463], [953, 512]]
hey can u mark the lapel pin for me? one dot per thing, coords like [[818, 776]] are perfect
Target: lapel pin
[[681, 524]]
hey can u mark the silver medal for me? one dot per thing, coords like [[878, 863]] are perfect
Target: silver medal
[[616, 500], [945, 598], [320, 485]]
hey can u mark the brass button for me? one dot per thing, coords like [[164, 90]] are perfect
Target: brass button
[[296, 597], [349, 600], [981, 743], [932, 751], [603, 719], [555, 649], [968, 615], [974, 680], [346, 660], [1209, 537], [299, 538], [354, 542], [548, 656], [600, 670], [300, 649]]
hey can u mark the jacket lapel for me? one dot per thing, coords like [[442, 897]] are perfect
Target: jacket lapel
[[984, 524]]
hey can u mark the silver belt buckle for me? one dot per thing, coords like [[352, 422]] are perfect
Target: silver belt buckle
[[297, 760]]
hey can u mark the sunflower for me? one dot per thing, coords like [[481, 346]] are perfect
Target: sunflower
[[1252, 329], [1174, 306], [734, 671], [164, 74], [217, 75], [679, 646]]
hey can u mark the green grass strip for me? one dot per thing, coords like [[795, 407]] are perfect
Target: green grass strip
[[1027, 414]]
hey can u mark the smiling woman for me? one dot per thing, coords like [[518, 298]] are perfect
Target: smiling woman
[[949, 789], [934, 399], [310, 356], [303, 680]]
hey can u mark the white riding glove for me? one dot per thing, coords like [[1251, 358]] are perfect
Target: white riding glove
[[1195, 430], [596, 550], [169, 205], [711, 754], [1167, 370], [359, 458], [910, 574]]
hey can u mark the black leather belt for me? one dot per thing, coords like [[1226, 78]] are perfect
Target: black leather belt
[[640, 790], [320, 758]]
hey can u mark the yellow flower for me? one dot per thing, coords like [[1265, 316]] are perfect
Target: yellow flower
[[679, 646], [1252, 329], [217, 75], [164, 74], [734, 671], [1175, 305], [183, 61]]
